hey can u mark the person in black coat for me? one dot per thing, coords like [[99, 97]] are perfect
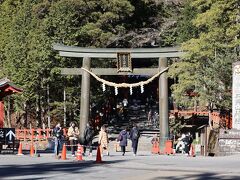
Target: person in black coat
[[123, 136], [58, 138], [134, 136], [88, 138], [189, 140]]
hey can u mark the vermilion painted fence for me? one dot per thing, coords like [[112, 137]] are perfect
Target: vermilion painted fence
[[35, 134], [224, 119], [41, 134]]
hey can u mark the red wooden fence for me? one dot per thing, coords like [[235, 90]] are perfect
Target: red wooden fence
[[35, 134], [42, 134], [223, 119]]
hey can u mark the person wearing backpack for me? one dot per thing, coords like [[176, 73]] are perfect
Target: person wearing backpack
[[123, 136], [134, 136], [88, 137]]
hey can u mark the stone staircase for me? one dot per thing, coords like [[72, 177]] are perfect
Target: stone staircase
[[136, 114], [144, 143]]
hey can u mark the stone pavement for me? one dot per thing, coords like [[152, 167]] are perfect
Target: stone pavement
[[144, 166]]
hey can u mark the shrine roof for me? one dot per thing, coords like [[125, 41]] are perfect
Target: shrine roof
[[7, 87]]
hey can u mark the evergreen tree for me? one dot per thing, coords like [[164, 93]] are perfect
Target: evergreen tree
[[206, 69], [29, 29]]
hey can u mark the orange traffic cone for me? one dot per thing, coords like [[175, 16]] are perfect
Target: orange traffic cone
[[20, 150], [79, 153], [64, 152], [155, 148], [168, 147], [98, 157], [192, 152], [32, 150]]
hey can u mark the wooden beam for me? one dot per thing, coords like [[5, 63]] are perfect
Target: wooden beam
[[110, 71]]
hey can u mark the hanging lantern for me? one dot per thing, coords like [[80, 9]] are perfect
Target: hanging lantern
[[116, 91], [142, 88], [104, 87]]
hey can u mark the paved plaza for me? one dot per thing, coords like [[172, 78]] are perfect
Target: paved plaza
[[115, 166]]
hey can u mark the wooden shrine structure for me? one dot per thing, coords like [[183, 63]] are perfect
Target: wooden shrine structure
[[6, 88]]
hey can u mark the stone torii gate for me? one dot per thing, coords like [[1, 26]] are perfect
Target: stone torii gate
[[112, 53]]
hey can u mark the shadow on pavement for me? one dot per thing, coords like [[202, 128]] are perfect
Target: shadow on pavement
[[199, 176], [54, 167]]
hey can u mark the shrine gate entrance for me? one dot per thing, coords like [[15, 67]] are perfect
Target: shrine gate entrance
[[123, 56]]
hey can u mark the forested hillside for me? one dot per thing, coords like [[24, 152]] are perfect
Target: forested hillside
[[208, 30]]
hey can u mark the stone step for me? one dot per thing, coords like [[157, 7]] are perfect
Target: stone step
[[144, 143]]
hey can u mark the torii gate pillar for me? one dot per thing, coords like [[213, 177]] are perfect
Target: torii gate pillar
[[163, 103], [85, 91]]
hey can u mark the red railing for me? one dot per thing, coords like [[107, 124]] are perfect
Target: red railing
[[41, 134], [35, 134], [225, 119]]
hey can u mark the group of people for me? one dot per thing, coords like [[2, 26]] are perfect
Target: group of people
[[184, 143], [133, 135], [153, 117], [103, 140], [73, 137]]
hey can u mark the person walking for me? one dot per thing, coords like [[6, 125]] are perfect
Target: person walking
[[189, 140], [103, 140], [73, 133], [58, 138], [134, 136], [182, 144], [88, 137], [123, 136]]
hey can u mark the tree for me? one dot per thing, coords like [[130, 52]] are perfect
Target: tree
[[29, 30], [212, 47]]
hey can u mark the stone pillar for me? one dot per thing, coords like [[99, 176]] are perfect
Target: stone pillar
[[1, 113], [235, 95], [85, 91], [163, 103]]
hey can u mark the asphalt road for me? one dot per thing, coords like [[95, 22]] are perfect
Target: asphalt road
[[115, 166]]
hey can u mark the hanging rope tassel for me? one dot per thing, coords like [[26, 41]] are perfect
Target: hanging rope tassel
[[131, 90], [125, 85], [104, 87], [116, 91], [142, 88]]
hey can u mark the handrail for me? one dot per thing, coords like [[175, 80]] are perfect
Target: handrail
[[35, 134], [216, 117]]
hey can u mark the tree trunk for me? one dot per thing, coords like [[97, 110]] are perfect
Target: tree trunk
[[38, 112], [65, 108], [195, 105], [9, 112], [209, 115], [26, 114], [48, 110]]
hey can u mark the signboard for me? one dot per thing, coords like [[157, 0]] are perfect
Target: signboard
[[236, 96], [2, 136], [124, 62], [7, 135], [229, 142]]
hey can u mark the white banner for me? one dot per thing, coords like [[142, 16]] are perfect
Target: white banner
[[236, 96]]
